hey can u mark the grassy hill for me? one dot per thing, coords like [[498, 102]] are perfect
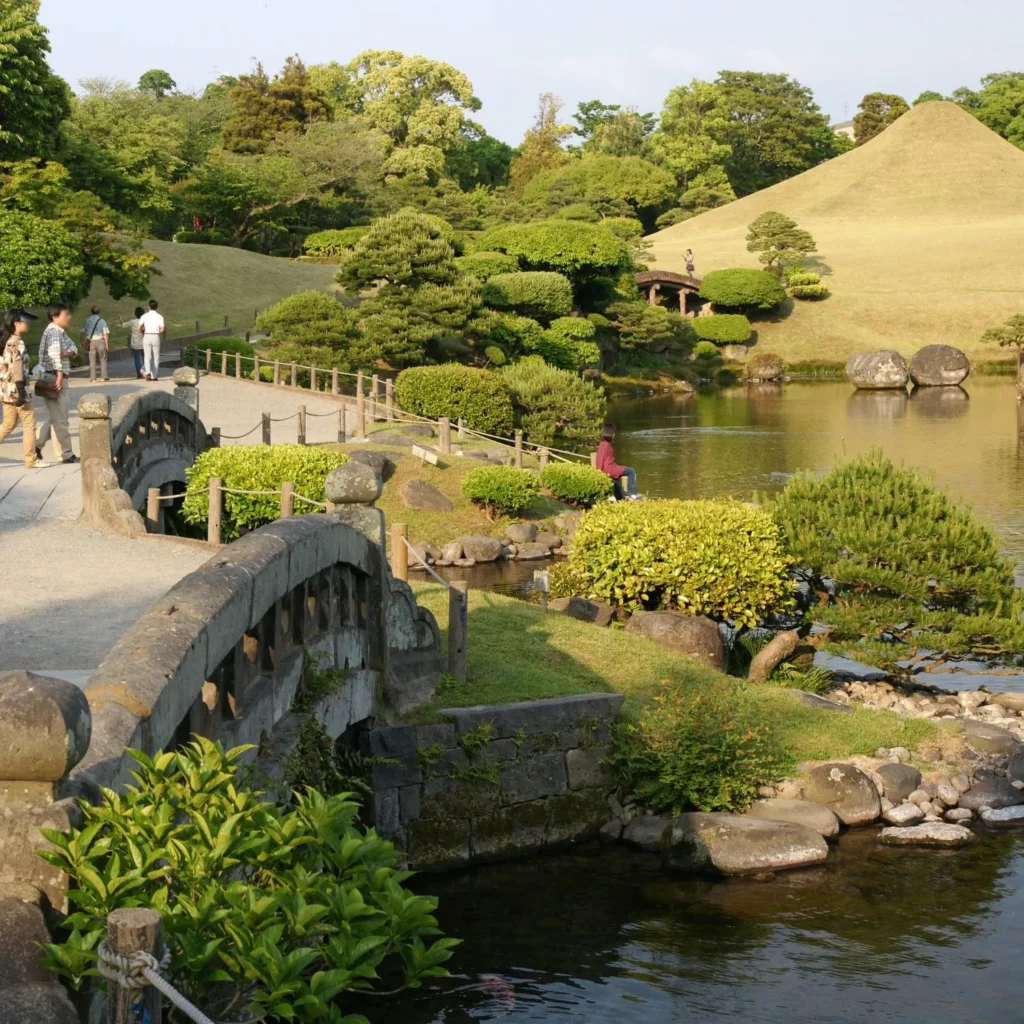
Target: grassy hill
[[919, 237]]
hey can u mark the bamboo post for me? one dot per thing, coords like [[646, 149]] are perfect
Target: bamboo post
[[302, 425], [287, 499], [462, 428], [444, 435], [375, 393], [312, 378], [341, 424], [399, 552], [133, 930], [238, 366], [544, 456], [593, 459], [277, 371], [214, 515], [458, 608], [295, 375], [334, 381], [215, 437], [389, 399], [266, 428], [153, 509], [519, 449], [209, 358], [360, 408], [256, 368], [223, 364]]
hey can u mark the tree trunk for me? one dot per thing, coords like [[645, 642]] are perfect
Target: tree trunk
[[776, 651]]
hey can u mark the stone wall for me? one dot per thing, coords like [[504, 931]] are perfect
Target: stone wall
[[491, 783]]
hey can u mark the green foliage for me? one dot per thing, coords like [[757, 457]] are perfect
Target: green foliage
[[40, 261], [501, 489], [998, 104], [579, 211], [927, 95], [740, 288], [706, 350], [480, 397], [799, 277], [218, 345], [275, 911], [639, 323], [553, 405], [861, 525], [334, 241], [809, 291], [256, 468], [702, 748], [541, 149], [515, 335], [724, 559], [317, 681], [484, 265], [1009, 333], [778, 242], [317, 762], [878, 110], [157, 82], [568, 343], [309, 318], [576, 484], [723, 328], [541, 295], [476, 739]]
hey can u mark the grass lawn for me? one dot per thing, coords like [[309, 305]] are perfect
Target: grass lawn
[[516, 653]]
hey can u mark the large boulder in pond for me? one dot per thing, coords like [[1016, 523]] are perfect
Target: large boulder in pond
[[939, 366], [801, 812], [692, 636], [424, 496], [481, 548], [846, 791], [884, 368]]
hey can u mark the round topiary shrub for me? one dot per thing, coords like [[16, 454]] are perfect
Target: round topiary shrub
[[568, 343], [705, 350], [579, 485], [504, 490], [309, 318], [723, 328], [740, 288], [484, 265], [480, 397], [724, 559], [542, 295], [554, 405]]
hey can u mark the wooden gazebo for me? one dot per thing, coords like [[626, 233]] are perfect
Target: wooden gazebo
[[652, 281]]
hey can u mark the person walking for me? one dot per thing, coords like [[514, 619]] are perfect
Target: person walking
[[690, 265], [55, 352], [135, 339], [14, 394], [96, 335], [152, 326], [607, 464]]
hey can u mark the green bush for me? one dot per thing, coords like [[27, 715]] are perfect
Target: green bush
[[269, 912], [626, 228], [576, 484], [480, 397], [706, 350], [541, 295], [257, 468], [723, 328], [809, 291], [579, 211], [553, 405], [698, 747], [795, 276], [883, 530], [484, 265], [740, 288], [724, 559], [309, 318], [570, 247], [568, 343], [334, 241], [501, 489]]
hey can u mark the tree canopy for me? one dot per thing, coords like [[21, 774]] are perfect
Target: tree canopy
[[878, 110], [157, 82], [778, 242], [542, 147], [40, 261]]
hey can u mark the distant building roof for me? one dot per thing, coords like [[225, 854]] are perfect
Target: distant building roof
[[844, 128]]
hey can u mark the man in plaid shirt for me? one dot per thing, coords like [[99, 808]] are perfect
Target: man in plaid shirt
[[55, 352]]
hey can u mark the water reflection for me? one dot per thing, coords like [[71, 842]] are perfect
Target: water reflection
[[877, 405], [939, 403]]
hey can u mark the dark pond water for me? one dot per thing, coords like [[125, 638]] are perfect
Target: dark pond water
[[604, 936]]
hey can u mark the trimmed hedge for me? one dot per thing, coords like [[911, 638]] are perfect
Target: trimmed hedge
[[568, 343], [542, 295], [801, 277], [502, 489], [309, 318], [553, 404], [570, 247], [333, 242], [809, 291], [723, 328], [257, 468], [579, 485], [480, 397], [740, 288], [724, 559], [484, 265], [218, 345], [705, 350]]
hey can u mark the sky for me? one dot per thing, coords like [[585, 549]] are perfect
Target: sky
[[619, 52]]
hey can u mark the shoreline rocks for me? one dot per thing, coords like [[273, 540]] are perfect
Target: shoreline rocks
[[939, 366], [881, 369], [846, 791], [928, 834]]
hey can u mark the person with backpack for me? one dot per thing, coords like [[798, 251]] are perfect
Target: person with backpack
[[152, 326], [96, 335], [55, 352], [14, 394], [135, 339]]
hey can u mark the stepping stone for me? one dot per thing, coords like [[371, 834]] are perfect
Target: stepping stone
[[929, 834]]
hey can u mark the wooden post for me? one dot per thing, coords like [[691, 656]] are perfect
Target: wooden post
[[312, 378], [593, 459], [215, 437], [334, 381], [399, 552], [223, 364], [238, 365], [375, 394], [444, 435], [389, 399], [213, 519], [225, 322], [266, 428], [341, 424], [153, 509], [458, 609], [462, 428], [209, 357], [360, 408], [277, 371], [544, 456], [132, 930], [197, 327], [295, 375], [519, 449], [302, 425], [255, 368], [248, 336], [287, 499]]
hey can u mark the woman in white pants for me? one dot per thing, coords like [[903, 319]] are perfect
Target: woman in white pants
[[151, 325]]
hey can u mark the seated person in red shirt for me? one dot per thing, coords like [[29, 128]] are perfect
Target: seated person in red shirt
[[606, 463]]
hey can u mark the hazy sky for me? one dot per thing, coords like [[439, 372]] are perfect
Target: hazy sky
[[620, 52]]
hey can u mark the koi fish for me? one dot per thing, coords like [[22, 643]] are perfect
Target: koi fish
[[503, 991]]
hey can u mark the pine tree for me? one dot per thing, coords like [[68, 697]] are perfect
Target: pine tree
[[778, 242]]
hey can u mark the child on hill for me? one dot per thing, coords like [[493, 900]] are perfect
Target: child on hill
[[621, 475]]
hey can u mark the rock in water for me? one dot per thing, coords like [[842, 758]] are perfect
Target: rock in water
[[1003, 817], [885, 368], [646, 832], [904, 814], [424, 497], [900, 780], [800, 812], [737, 844], [481, 548], [939, 365], [995, 793], [929, 834], [846, 791], [692, 636]]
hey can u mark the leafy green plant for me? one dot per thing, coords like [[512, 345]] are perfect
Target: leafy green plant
[[719, 558], [317, 762], [706, 350], [798, 276], [541, 295], [778, 242], [476, 739], [318, 680], [484, 265], [553, 405], [723, 328], [809, 291], [256, 468], [501, 489], [576, 484], [309, 318], [569, 343], [480, 397], [476, 773], [277, 912], [334, 241], [742, 289]]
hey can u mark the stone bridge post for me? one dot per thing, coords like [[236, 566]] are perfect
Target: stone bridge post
[[104, 504]]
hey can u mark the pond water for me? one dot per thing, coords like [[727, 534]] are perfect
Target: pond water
[[605, 937]]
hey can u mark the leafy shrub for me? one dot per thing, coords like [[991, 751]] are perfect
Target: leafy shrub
[[724, 559], [641, 324], [809, 291], [706, 350], [570, 247], [538, 294], [576, 484], [309, 318], [502, 489], [627, 228], [568, 343], [723, 328], [516, 335], [553, 404], [480, 397], [740, 288], [880, 529], [579, 211], [699, 747], [766, 366], [484, 265], [257, 468], [334, 241], [796, 276], [275, 911]]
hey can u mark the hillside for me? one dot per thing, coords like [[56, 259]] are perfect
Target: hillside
[[919, 237]]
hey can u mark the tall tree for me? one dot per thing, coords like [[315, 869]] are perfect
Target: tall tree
[[878, 110], [928, 94], [481, 160], [999, 104], [778, 242], [33, 100], [590, 115], [542, 148], [626, 133], [157, 82]]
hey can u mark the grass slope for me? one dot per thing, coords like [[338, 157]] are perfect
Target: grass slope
[[919, 234]]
